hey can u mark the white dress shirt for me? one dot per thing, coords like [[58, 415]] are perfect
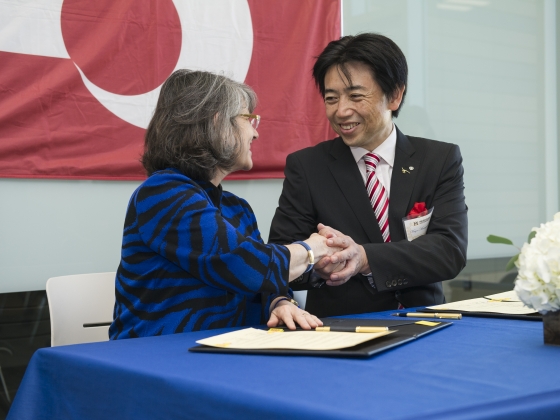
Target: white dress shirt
[[386, 153], [384, 170]]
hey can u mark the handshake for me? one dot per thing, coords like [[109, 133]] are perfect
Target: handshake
[[339, 257]]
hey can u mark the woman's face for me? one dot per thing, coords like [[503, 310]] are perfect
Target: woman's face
[[247, 134]]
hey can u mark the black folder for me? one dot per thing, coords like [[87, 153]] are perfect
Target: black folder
[[405, 331], [528, 317]]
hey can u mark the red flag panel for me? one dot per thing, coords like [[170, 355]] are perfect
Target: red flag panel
[[52, 126]]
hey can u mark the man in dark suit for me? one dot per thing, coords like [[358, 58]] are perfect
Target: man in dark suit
[[336, 183]]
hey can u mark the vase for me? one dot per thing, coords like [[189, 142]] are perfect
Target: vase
[[551, 327]]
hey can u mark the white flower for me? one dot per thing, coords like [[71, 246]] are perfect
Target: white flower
[[538, 279]]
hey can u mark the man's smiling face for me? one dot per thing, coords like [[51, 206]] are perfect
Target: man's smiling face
[[357, 108]]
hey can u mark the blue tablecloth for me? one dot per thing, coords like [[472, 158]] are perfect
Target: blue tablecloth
[[475, 369]]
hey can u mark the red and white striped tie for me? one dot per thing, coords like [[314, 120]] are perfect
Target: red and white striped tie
[[377, 195]]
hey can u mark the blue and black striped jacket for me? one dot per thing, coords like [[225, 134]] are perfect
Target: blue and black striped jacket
[[192, 259]]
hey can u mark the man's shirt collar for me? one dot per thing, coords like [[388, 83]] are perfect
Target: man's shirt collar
[[385, 150]]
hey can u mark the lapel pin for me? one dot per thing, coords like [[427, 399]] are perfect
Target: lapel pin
[[411, 168], [404, 171]]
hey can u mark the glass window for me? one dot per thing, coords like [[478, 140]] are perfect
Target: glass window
[[482, 74]]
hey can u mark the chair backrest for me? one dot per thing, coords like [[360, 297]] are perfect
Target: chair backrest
[[78, 300]]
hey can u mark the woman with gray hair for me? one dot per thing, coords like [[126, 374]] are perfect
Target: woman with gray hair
[[192, 255]]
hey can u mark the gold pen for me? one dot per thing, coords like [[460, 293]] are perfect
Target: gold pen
[[429, 315], [352, 329]]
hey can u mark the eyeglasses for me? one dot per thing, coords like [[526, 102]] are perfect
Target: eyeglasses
[[254, 119]]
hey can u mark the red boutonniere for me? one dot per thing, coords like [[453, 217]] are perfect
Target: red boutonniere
[[418, 210]]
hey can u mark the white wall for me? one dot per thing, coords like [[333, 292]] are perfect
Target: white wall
[[53, 228]]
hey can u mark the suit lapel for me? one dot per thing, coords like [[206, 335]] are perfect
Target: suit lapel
[[350, 182], [402, 184]]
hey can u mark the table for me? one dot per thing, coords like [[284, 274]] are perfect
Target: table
[[475, 369]]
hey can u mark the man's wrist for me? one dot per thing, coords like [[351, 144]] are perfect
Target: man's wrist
[[365, 269]]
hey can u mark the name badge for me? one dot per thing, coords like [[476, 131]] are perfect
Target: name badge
[[418, 226]]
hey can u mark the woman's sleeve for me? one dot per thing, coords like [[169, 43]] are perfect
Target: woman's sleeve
[[177, 221]]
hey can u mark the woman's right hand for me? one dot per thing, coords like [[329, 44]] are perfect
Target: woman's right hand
[[318, 244], [299, 260], [339, 268], [324, 267]]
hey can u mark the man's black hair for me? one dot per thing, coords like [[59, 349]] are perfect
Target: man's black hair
[[385, 59]]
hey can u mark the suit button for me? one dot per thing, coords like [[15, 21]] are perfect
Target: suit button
[[388, 283], [405, 281], [400, 282], [394, 282]]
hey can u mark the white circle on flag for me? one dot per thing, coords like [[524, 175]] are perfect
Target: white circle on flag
[[217, 36]]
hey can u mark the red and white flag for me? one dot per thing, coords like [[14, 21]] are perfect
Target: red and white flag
[[79, 79]]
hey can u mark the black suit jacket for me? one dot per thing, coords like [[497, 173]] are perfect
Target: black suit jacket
[[323, 185]]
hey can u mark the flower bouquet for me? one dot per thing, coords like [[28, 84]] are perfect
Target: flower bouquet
[[538, 279]]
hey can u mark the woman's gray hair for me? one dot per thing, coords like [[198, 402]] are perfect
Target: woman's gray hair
[[194, 128]]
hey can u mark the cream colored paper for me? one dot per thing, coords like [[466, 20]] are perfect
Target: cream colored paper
[[500, 303], [252, 338]]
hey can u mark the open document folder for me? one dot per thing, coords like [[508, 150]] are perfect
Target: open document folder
[[315, 343], [252, 338], [506, 303]]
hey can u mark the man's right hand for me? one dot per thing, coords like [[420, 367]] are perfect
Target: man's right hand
[[338, 268]]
